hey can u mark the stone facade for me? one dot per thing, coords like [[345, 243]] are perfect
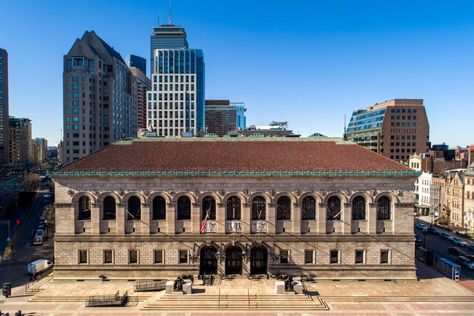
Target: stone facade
[[242, 245]]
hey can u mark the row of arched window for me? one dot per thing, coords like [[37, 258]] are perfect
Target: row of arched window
[[233, 208]]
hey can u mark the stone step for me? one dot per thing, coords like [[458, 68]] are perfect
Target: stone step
[[398, 298]]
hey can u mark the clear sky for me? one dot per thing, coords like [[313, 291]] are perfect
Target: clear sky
[[308, 62]]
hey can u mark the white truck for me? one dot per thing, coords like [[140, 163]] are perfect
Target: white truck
[[38, 266]]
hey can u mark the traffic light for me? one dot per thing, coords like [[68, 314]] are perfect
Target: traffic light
[[18, 221]]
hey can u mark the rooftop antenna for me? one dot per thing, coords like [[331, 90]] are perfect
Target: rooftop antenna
[[170, 16]]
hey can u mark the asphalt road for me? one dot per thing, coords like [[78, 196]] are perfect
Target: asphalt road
[[440, 247], [14, 269]]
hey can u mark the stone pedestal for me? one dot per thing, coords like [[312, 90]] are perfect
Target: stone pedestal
[[188, 288], [298, 288], [279, 287], [169, 287]]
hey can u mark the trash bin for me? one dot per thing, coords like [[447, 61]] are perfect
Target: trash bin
[[7, 289]]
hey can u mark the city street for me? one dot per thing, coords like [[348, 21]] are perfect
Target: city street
[[14, 269], [440, 247]]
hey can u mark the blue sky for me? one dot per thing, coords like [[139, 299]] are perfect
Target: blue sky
[[307, 62]]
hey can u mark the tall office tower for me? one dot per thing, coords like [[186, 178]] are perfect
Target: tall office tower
[[223, 116], [99, 102], [4, 125], [395, 128], [137, 62], [41, 149], [176, 102], [166, 37], [141, 84], [21, 144]]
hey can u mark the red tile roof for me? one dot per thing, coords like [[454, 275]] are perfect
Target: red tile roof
[[204, 155]]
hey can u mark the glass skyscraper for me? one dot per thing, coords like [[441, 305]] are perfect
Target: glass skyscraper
[[4, 123], [176, 103]]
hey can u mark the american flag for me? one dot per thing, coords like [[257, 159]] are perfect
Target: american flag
[[204, 222]]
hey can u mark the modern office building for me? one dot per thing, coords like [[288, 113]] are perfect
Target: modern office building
[[40, 152], [234, 206], [21, 144], [141, 85], [241, 117], [167, 36], [223, 116], [99, 102], [137, 62], [4, 121], [176, 101], [396, 129]]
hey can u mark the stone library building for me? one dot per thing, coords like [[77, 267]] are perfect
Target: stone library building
[[159, 207]]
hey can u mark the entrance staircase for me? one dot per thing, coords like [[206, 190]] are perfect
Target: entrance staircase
[[237, 302]]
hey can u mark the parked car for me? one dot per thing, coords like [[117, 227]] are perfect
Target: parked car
[[444, 235], [433, 231], [458, 241], [456, 251], [470, 247], [418, 240], [422, 227], [39, 237], [465, 262]]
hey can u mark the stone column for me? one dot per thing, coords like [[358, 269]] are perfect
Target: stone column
[[145, 220], [346, 219], [171, 219], [372, 218], [321, 215], [220, 218], [271, 218], [95, 219], [246, 218], [120, 219], [296, 219], [195, 217]]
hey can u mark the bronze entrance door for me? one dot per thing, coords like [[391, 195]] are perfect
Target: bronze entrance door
[[258, 260], [208, 260], [233, 260]]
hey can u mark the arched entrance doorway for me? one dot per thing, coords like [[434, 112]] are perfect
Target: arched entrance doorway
[[208, 260], [233, 260], [258, 260]]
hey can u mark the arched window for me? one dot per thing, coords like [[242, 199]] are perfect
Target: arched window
[[159, 208], [308, 208], [284, 208], [258, 208], [109, 208], [233, 208], [84, 210], [334, 208], [383, 208], [134, 208], [184, 208], [358, 208], [208, 208]]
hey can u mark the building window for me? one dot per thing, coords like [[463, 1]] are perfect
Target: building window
[[334, 257], [284, 208], [158, 256], [309, 256], [84, 211], [358, 208], [383, 208], [359, 256], [109, 208], [233, 208], [384, 256], [284, 254], [334, 208], [308, 208], [134, 208], [183, 256], [184, 208], [208, 208], [108, 256], [133, 256], [82, 256], [159, 208], [258, 208]]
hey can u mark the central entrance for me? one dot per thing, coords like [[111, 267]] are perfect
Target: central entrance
[[258, 260], [208, 264], [233, 260]]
